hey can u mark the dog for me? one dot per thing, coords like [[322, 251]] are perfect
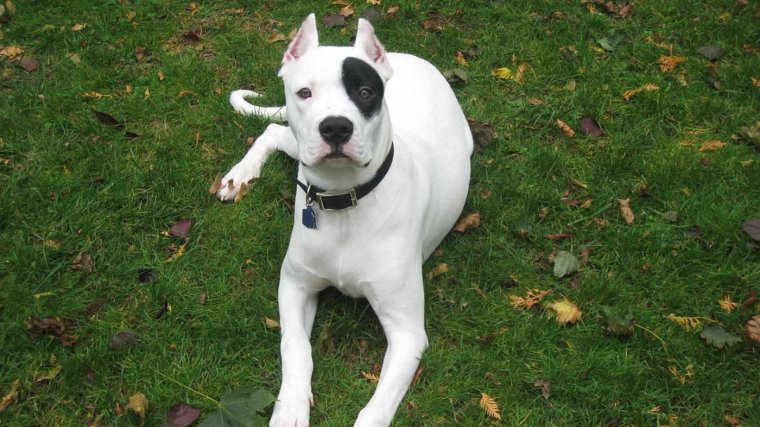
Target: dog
[[384, 168]]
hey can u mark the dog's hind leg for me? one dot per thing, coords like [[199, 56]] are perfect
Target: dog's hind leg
[[275, 137]]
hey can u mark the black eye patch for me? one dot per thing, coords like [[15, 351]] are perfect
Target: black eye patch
[[358, 77]]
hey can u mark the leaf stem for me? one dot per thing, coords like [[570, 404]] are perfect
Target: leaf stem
[[189, 388]]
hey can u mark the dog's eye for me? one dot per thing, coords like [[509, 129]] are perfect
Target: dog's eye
[[304, 93], [365, 93]]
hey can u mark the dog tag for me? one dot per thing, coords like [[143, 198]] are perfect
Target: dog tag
[[309, 218]]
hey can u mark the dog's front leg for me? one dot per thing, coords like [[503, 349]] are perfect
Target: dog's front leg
[[275, 137], [298, 305], [401, 313]]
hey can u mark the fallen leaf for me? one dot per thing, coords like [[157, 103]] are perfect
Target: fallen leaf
[[240, 408], [503, 73], [433, 24], [589, 126], [182, 415], [625, 210], [565, 311], [78, 27], [83, 262], [49, 375], [732, 421], [203, 298], [687, 323], [520, 73], [558, 236], [139, 53], [469, 221], [11, 396], [648, 87], [271, 324], [751, 133], [483, 135], [753, 328], [617, 325], [610, 43], [565, 263], [711, 146], [181, 229], [28, 64], [11, 51], [713, 53], [752, 228], [456, 76], [347, 11], [668, 63], [178, 253], [392, 11], [74, 57], [373, 378], [545, 386], [53, 327], [717, 337], [216, 185], [122, 340], [108, 119], [437, 271], [670, 216], [532, 297], [489, 404], [139, 404], [565, 128], [727, 304]]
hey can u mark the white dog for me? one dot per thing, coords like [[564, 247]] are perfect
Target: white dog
[[383, 176]]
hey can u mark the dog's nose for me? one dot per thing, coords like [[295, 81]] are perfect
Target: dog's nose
[[336, 130]]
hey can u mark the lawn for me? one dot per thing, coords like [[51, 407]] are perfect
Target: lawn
[[99, 300]]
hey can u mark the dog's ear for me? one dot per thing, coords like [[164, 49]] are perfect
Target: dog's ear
[[305, 39], [369, 44]]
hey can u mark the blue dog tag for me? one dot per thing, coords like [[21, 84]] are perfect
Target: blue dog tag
[[309, 218]]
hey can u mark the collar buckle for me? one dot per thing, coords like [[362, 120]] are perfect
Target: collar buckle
[[336, 201]]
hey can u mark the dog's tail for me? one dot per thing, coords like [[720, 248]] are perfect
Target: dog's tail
[[237, 99]]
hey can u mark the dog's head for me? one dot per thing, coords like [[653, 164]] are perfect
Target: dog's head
[[335, 97]]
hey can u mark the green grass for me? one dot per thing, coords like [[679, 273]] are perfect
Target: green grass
[[82, 186]]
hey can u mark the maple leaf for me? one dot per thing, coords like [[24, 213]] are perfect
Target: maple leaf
[[240, 408], [566, 312], [717, 337], [489, 404], [532, 297], [668, 63]]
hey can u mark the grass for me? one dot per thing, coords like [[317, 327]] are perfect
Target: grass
[[70, 184]]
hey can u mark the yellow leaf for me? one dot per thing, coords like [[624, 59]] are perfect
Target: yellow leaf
[[11, 51], [276, 37], [131, 15], [755, 82], [489, 404], [373, 2], [73, 57], [668, 63], [566, 312], [712, 146], [461, 60], [625, 210], [727, 304], [178, 253], [688, 323], [146, 95], [471, 220], [648, 87], [139, 404], [566, 129], [49, 375], [271, 324], [437, 271], [11, 396], [161, 75], [532, 297], [78, 27], [50, 243], [502, 73], [370, 376]]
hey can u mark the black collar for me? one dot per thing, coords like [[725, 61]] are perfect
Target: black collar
[[337, 200]]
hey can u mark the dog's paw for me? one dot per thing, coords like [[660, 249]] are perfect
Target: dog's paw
[[370, 418], [234, 184], [290, 413]]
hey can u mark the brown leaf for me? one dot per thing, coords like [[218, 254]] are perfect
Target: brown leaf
[[532, 297], [271, 323], [122, 340], [469, 221], [648, 87], [373, 378], [753, 328], [565, 311], [625, 210], [558, 236], [668, 63], [139, 53], [108, 119], [83, 262], [489, 404], [181, 229], [566, 129], [182, 415], [589, 126], [727, 304], [545, 386], [392, 11], [712, 146], [347, 11], [28, 64], [482, 134], [11, 51]]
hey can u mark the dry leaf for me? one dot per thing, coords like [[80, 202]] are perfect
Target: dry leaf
[[566, 312], [392, 11], [668, 63], [271, 324], [347, 10], [178, 253], [373, 2], [277, 37], [139, 404], [684, 377], [532, 297], [373, 378], [11, 395], [753, 328], [471, 220], [78, 27], [11, 51], [566, 129], [688, 323], [625, 210], [49, 375], [520, 73], [83, 262], [437, 271], [727, 304], [216, 185], [732, 421], [648, 87], [489, 404], [712, 146], [73, 57]]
